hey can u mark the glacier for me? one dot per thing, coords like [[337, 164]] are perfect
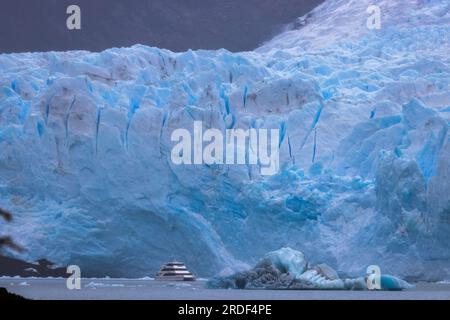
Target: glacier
[[364, 149]]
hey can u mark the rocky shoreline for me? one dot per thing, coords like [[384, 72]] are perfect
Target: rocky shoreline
[[12, 267], [5, 295]]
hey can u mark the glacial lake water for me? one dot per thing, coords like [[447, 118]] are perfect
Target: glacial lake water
[[148, 289]]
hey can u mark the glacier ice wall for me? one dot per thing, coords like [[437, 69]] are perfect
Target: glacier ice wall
[[364, 150]]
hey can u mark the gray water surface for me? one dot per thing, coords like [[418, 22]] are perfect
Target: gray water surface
[[147, 289]]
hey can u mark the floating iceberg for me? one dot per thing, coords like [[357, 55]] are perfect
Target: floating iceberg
[[288, 260], [278, 270], [364, 176]]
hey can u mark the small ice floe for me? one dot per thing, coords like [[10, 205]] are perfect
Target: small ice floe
[[202, 279], [33, 270], [24, 284], [95, 285], [179, 285]]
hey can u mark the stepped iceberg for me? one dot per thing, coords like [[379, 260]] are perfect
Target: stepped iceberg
[[363, 116], [287, 269]]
